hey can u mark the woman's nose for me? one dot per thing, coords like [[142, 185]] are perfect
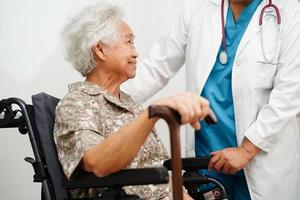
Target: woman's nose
[[134, 53]]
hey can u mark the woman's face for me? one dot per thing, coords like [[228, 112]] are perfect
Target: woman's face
[[121, 56]]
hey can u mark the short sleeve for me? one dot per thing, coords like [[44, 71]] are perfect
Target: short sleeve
[[76, 130], [73, 147]]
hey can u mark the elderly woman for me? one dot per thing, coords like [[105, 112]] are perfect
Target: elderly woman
[[99, 128]]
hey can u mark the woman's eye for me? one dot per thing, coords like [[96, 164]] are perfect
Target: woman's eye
[[130, 43]]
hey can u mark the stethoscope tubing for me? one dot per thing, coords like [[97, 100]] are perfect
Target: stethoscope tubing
[[269, 5]]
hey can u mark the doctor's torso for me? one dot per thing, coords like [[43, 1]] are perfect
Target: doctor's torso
[[251, 76], [253, 83]]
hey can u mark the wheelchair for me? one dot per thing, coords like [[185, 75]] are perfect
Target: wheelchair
[[37, 120]]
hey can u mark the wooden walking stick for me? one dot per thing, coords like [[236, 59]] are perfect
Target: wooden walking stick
[[173, 120]]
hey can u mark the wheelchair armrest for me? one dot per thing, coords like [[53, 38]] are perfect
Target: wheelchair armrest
[[139, 176], [191, 164]]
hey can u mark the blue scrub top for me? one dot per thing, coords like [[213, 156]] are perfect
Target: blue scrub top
[[218, 89]]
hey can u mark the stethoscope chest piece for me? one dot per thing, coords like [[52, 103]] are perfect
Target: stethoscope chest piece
[[223, 58]]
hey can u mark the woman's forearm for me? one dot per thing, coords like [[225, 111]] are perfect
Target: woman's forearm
[[120, 148]]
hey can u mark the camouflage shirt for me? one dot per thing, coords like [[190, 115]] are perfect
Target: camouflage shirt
[[86, 116]]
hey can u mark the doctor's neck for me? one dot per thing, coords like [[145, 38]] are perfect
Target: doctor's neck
[[238, 6], [242, 2]]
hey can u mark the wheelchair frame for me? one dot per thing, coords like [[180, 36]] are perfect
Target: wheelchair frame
[[26, 123]]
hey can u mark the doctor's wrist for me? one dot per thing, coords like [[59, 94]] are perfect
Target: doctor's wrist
[[250, 149]]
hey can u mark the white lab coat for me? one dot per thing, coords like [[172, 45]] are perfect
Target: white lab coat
[[266, 96]]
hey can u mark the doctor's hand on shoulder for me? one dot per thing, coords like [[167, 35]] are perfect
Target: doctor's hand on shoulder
[[231, 160]]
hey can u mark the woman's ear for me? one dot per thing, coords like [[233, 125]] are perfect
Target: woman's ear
[[98, 51]]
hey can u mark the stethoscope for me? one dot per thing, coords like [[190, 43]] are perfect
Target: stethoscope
[[223, 57]]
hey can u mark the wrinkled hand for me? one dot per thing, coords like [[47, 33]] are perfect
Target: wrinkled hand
[[229, 160], [190, 106]]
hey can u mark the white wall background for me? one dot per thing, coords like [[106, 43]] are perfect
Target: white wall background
[[31, 61]]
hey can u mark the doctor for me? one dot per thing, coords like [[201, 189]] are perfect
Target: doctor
[[245, 58]]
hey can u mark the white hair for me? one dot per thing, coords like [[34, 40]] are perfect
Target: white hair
[[93, 24]]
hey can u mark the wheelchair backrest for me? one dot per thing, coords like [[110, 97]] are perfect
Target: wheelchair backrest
[[44, 114]]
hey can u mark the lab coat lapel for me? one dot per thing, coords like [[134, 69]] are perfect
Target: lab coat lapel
[[252, 30], [214, 32]]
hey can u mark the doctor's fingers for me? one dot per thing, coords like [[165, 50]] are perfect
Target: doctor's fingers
[[232, 171], [214, 160], [227, 169], [219, 165]]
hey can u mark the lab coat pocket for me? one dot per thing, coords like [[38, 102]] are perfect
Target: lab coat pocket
[[263, 75]]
